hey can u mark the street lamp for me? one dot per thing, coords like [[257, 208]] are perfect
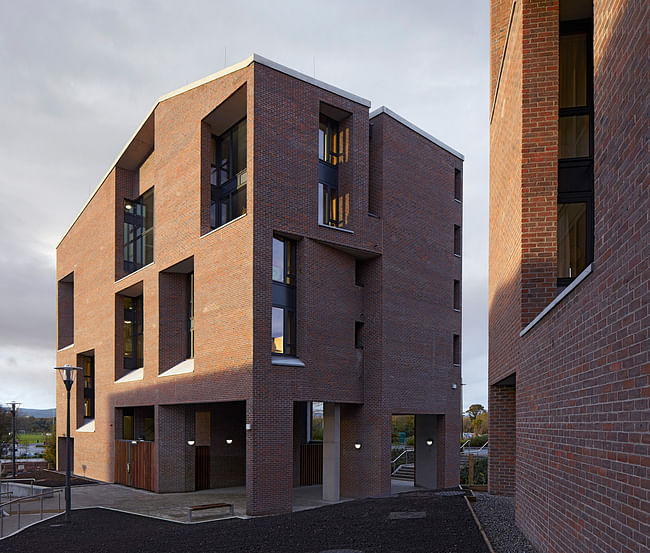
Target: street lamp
[[67, 375], [13, 406]]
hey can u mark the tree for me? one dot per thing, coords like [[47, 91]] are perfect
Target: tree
[[50, 445], [473, 413]]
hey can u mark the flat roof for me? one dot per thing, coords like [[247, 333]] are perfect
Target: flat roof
[[405, 122]]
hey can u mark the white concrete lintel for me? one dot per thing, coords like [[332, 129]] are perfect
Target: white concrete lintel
[[87, 427]]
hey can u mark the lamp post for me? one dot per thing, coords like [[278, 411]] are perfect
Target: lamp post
[[13, 406], [67, 373]]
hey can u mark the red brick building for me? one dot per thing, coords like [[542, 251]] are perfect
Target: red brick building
[[261, 247], [569, 201]]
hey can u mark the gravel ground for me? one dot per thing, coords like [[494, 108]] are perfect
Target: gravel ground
[[409, 523], [497, 515]]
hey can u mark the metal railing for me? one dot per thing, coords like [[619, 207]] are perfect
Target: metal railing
[[393, 465], [18, 481], [462, 447], [20, 500]]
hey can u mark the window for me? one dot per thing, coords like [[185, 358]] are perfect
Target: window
[[127, 423], [228, 175], [283, 316], [458, 185], [65, 311], [315, 421], [457, 295], [358, 272], [458, 240], [329, 205], [575, 210], [133, 333], [190, 316], [87, 363], [138, 232], [358, 334], [456, 349]]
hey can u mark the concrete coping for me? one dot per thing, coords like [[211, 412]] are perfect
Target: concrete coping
[[563, 294], [286, 361], [184, 367], [87, 427], [132, 376]]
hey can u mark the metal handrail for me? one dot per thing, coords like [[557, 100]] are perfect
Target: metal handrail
[[41, 496], [481, 448], [405, 452], [18, 480], [464, 444]]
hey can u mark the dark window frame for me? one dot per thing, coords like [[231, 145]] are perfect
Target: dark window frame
[[575, 175], [458, 185], [190, 315], [232, 188], [358, 334], [457, 295], [458, 241], [456, 350], [135, 317], [88, 386], [330, 209], [284, 297], [136, 232]]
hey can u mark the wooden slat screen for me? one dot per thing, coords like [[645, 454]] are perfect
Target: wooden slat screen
[[311, 464], [141, 457]]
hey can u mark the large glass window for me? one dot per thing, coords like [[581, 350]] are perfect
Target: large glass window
[[138, 232], [328, 136], [283, 316], [133, 333], [575, 144], [228, 175]]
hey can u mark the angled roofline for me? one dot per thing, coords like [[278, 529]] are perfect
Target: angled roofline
[[406, 123], [253, 58]]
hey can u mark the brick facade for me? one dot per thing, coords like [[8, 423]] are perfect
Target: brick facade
[[570, 397], [404, 249]]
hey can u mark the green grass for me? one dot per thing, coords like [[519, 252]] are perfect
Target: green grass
[[30, 438]]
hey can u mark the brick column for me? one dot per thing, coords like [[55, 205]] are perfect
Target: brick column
[[503, 438]]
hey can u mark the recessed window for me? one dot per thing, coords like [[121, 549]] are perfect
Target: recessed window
[[190, 316], [315, 421], [87, 364], [133, 332], [138, 232], [228, 175], [127, 423], [457, 295], [458, 185], [456, 349], [575, 208], [283, 315], [458, 240], [65, 311], [358, 272], [329, 204], [358, 334]]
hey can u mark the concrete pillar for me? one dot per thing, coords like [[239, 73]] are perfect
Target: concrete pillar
[[426, 456], [331, 451]]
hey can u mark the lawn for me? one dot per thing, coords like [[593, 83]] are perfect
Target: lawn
[[31, 438]]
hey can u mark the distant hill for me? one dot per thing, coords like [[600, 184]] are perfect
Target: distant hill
[[37, 413]]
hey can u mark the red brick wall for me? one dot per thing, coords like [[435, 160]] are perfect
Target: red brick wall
[[583, 395], [503, 439], [233, 355]]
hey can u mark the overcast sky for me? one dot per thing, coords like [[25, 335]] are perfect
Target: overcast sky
[[77, 78]]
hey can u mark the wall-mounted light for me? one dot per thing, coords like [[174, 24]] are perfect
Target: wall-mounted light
[[190, 442], [248, 426], [357, 445], [128, 207], [453, 386], [429, 442], [134, 442], [228, 441]]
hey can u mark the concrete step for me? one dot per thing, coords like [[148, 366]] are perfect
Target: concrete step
[[404, 472]]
